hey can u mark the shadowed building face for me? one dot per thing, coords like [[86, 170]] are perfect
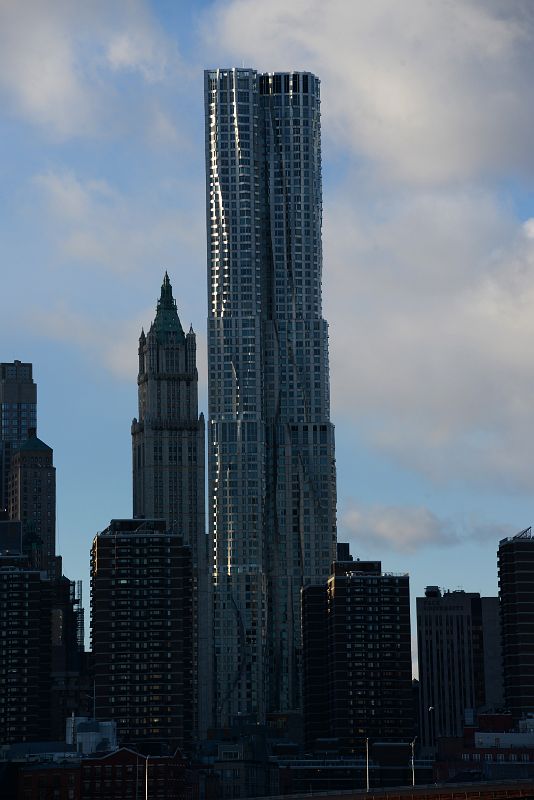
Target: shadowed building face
[[516, 595], [18, 413]]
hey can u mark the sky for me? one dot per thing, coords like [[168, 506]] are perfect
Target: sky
[[428, 277]]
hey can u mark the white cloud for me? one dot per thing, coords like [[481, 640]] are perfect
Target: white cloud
[[430, 309], [428, 91], [116, 241], [38, 67], [68, 197], [135, 51], [428, 283], [107, 341], [94, 224], [529, 228], [110, 342], [428, 272], [58, 61], [403, 529], [408, 529], [163, 131]]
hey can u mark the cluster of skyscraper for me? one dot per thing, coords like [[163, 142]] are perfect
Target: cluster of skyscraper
[[262, 615], [271, 468], [41, 619]]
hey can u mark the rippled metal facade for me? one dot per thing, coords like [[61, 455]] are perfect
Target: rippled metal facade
[[271, 444]]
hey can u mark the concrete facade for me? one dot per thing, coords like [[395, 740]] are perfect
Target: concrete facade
[[460, 670]]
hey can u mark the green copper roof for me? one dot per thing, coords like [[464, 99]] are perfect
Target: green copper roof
[[33, 444], [167, 320]]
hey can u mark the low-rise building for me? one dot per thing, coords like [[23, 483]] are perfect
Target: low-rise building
[[492, 750]]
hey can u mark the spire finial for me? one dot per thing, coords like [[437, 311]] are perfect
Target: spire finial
[[166, 292], [166, 314]]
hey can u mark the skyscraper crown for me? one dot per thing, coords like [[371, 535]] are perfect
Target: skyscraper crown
[[167, 320]]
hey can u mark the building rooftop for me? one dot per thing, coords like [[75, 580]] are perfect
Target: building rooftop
[[525, 534], [19, 750], [167, 319], [137, 526], [33, 444]]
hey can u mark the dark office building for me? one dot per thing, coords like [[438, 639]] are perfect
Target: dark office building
[[316, 663], [516, 595], [460, 670], [10, 536], [25, 651], [71, 689], [32, 500], [41, 646], [18, 413], [41, 619], [357, 656], [141, 632]]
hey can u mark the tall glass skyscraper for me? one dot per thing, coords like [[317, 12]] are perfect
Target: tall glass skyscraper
[[271, 444]]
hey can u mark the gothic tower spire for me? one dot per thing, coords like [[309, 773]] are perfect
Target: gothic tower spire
[[168, 451]]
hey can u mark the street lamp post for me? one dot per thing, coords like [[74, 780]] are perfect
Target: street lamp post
[[146, 778], [367, 763], [413, 760], [432, 726]]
